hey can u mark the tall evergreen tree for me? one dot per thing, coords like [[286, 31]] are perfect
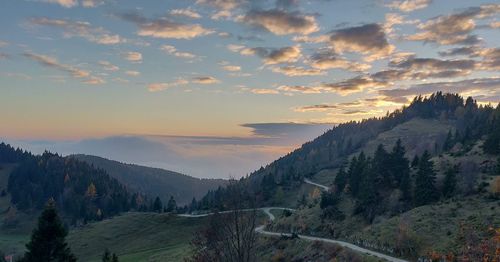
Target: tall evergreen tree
[[157, 205], [356, 172], [425, 190], [448, 143], [414, 162], [381, 166], [368, 195], [341, 179], [106, 257], [171, 205], [399, 164], [47, 242], [450, 181]]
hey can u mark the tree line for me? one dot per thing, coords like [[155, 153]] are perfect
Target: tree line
[[82, 192]]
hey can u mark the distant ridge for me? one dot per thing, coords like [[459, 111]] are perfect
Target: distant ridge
[[155, 181]]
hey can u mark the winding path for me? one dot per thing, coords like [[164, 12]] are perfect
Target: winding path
[[323, 187], [267, 210]]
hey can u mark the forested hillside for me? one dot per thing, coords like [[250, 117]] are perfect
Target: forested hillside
[[466, 120], [421, 182], [155, 181], [80, 191]]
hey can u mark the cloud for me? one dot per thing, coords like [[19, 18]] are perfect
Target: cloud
[[235, 48], [222, 4], [64, 3], [280, 22], [466, 51], [369, 40], [413, 68], [108, 66], [134, 57], [316, 108], [74, 72], [199, 156], [156, 87], [409, 5], [222, 14], [311, 39], [454, 28], [353, 85], [231, 68], [133, 73], [297, 71], [264, 91], [290, 130], [205, 80], [272, 56], [92, 3], [173, 51], [79, 29], [299, 89], [329, 60], [185, 13], [4, 56], [491, 59], [165, 28], [480, 85]]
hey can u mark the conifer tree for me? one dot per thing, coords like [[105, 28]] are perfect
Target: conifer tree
[[341, 179], [368, 195], [414, 162], [399, 164], [425, 190], [448, 143], [106, 257], [450, 181], [157, 205], [356, 172], [171, 205], [381, 166], [47, 242]]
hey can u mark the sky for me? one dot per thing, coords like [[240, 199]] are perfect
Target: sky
[[217, 88]]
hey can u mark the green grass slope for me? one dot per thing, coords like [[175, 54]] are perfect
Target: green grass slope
[[155, 181], [136, 237]]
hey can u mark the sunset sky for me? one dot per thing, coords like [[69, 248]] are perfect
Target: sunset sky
[[188, 85]]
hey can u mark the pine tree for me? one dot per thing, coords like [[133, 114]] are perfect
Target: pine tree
[[356, 172], [171, 205], [450, 181], [106, 257], [399, 165], [157, 205], [414, 162], [448, 143], [425, 190], [341, 179], [47, 242], [368, 195], [381, 167], [114, 258]]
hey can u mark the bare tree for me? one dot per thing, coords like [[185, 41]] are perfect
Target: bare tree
[[230, 235]]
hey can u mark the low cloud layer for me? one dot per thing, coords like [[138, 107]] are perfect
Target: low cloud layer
[[208, 157]]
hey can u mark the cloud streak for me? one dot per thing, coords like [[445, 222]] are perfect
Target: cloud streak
[[48, 61], [80, 29]]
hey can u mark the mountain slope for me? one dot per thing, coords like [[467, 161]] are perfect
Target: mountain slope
[[155, 181], [378, 198]]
